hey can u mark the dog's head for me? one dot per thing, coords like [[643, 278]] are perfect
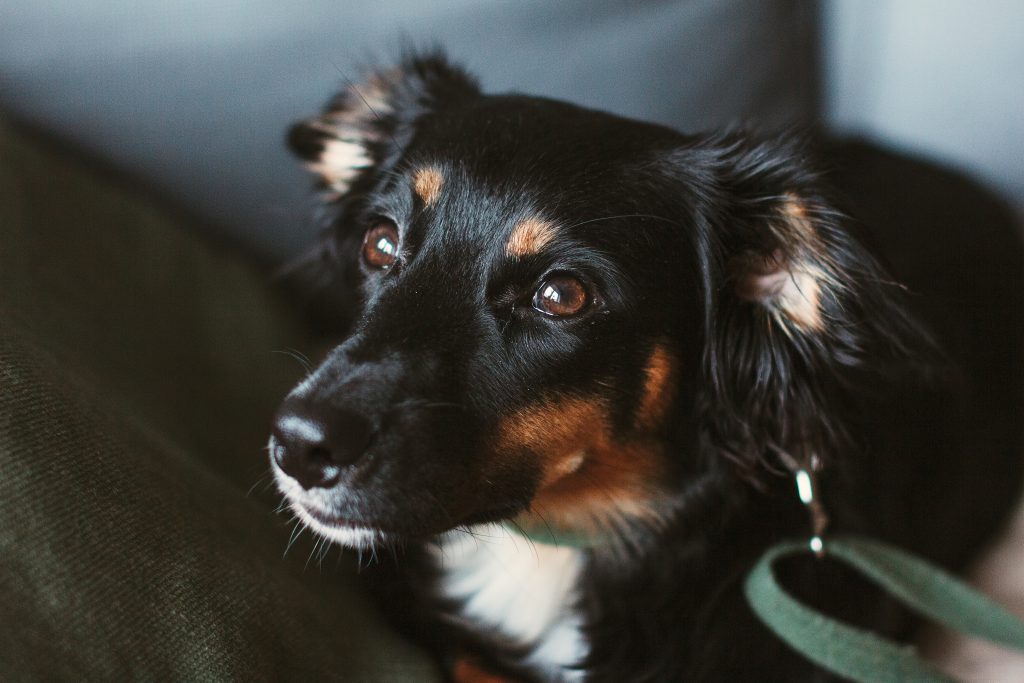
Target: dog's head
[[557, 312]]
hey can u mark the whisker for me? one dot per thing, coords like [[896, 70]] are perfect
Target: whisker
[[262, 480], [625, 215], [526, 537], [300, 354], [426, 403], [306, 364], [325, 549], [300, 526], [316, 545]]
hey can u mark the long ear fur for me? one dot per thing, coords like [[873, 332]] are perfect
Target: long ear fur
[[366, 124], [800, 322], [349, 147]]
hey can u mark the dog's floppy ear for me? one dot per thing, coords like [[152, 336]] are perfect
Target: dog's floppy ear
[[363, 124], [798, 317], [349, 147]]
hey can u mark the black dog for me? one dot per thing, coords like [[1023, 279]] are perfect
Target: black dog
[[561, 317]]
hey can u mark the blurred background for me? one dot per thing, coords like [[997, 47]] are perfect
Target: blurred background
[[191, 97]]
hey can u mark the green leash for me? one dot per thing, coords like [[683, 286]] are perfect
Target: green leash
[[844, 650], [860, 655]]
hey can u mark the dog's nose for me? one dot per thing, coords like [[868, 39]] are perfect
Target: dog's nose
[[313, 445]]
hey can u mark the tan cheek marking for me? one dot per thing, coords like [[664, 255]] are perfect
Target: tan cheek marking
[[529, 237], [659, 389], [588, 477], [558, 431], [427, 182]]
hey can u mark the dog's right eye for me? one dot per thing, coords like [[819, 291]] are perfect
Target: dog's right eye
[[561, 296], [380, 245]]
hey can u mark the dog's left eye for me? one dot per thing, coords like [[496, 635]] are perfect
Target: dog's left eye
[[380, 246], [561, 296]]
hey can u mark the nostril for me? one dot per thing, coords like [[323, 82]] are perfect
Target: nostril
[[278, 452], [312, 447]]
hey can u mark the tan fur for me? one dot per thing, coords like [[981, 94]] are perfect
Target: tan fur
[[800, 297], [348, 122], [339, 163], [373, 96], [659, 389], [529, 237], [427, 182], [467, 670], [791, 290], [795, 213], [790, 284], [590, 479]]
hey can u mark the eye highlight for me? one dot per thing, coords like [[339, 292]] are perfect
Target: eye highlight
[[561, 296], [380, 245]]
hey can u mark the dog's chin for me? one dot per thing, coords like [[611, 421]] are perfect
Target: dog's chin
[[341, 531]]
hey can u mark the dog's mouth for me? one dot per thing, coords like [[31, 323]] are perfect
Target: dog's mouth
[[340, 529], [357, 534], [326, 518]]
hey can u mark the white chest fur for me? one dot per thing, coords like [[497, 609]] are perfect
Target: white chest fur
[[525, 592]]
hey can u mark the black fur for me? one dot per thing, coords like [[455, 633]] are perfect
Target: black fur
[[909, 395]]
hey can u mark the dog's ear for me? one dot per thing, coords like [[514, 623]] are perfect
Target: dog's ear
[[366, 125], [350, 146], [798, 316]]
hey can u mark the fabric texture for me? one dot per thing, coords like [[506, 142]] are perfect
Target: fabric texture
[[137, 380]]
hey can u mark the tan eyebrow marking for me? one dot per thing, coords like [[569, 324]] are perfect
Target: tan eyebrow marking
[[427, 182], [529, 237]]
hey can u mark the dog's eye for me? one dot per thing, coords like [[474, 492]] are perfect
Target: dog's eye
[[380, 246], [561, 296]]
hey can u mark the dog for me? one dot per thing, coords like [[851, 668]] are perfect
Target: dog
[[554, 318]]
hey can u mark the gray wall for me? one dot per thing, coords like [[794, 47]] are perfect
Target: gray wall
[[944, 78], [193, 96]]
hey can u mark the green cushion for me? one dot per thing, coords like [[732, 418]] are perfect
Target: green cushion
[[137, 380]]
